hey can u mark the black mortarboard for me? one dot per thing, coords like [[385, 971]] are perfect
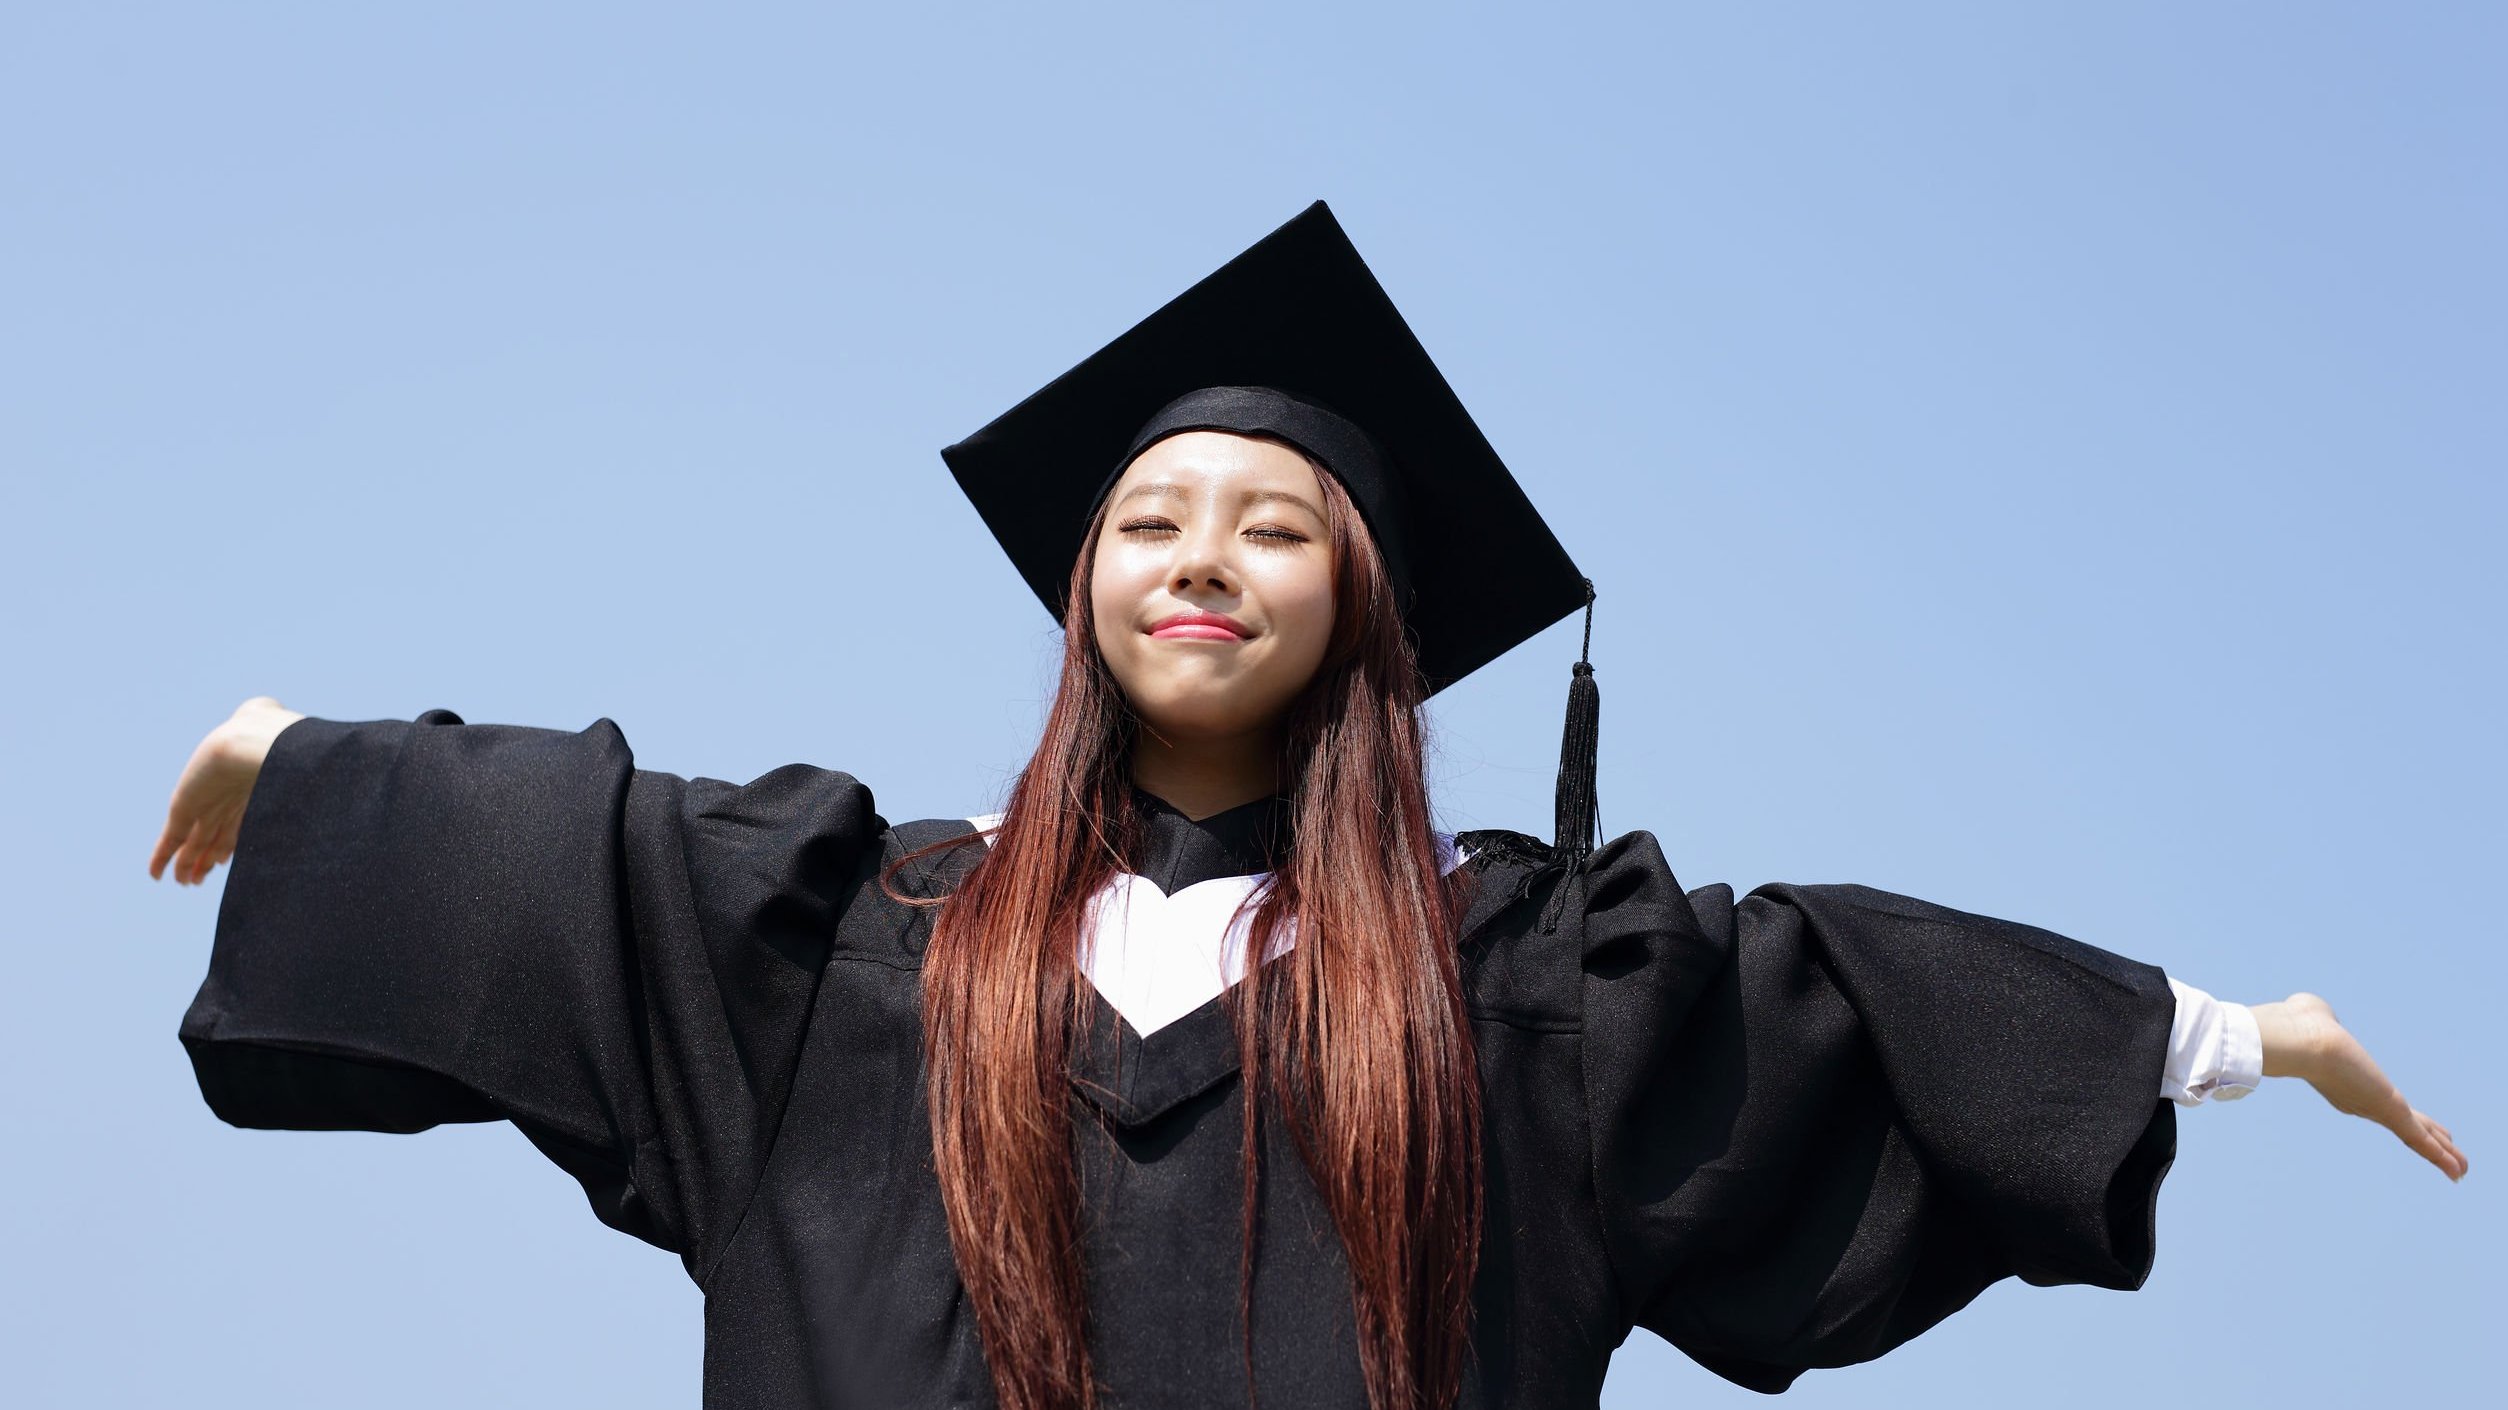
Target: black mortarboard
[[1295, 338]]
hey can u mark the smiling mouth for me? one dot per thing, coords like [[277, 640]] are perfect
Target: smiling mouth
[[1199, 626]]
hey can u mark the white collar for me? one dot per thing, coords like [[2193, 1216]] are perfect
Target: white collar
[[1157, 957]]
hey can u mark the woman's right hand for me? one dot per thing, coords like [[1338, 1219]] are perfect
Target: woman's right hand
[[209, 799]]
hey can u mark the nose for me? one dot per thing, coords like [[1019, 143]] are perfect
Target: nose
[[1202, 560]]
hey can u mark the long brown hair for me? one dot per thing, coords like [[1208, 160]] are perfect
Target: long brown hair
[[1357, 1036]]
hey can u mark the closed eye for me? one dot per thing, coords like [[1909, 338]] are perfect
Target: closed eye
[[1161, 526]]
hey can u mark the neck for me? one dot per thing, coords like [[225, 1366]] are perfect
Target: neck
[[1207, 776]]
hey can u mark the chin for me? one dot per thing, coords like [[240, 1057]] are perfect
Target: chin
[[1204, 712]]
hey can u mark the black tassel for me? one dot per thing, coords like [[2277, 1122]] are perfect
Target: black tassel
[[1578, 824]]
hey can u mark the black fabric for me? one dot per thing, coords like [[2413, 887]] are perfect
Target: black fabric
[[1175, 851], [1298, 313], [1785, 1130]]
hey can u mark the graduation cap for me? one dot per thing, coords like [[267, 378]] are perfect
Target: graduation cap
[[1296, 340]]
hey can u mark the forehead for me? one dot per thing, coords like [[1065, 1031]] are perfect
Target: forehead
[[1221, 463]]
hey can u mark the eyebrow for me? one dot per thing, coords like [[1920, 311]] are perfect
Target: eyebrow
[[1167, 489]]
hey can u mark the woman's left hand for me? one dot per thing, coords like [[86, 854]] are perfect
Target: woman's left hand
[[2302, 1038]]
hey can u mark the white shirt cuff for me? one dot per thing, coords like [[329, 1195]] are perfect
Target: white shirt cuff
[[2215, 1050]]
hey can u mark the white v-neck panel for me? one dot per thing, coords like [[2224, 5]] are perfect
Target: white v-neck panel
[[1157, 957]]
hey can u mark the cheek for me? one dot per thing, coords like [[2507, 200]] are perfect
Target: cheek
[[1116, 589], [1302, 610], [1124, 575]]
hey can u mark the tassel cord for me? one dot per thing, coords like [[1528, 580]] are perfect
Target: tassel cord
[[1578, 810]]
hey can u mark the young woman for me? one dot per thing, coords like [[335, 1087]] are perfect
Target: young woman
[[1208, 1072]]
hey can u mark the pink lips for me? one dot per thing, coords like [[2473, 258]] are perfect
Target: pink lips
[[1199, 626]]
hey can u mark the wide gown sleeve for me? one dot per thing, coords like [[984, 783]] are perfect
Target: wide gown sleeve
[[429, 921], [1826, 1117]]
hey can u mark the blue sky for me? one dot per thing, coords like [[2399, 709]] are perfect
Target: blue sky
[[2047, 463]]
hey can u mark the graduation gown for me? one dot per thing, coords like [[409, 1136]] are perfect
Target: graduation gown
[[1784, 1130]]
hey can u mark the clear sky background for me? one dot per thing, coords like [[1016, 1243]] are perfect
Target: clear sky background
[[2046, 460]]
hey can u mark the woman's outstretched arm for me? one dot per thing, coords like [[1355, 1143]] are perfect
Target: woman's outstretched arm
[[1825, 1117], [2303, 1039], [208, 803], [431, 922]]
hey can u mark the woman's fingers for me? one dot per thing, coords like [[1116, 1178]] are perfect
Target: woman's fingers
[[212, 844], [192, 847], [2456, 1165], [2425, 1142], [208, 802], [200, 851], [2338, 1065], [182, 816], [222, 846], [2450, 1159], [176, 828], [181, 855], [2415, 1129]]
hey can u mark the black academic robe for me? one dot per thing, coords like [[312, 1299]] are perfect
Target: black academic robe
[[1787, 1130]]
